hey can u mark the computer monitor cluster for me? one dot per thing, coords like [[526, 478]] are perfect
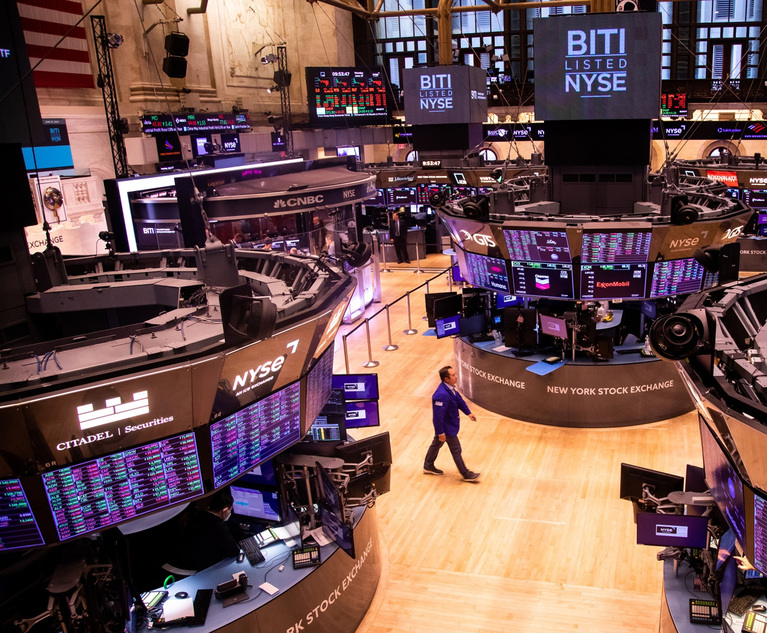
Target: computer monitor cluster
[[360, 399], [554, 276]]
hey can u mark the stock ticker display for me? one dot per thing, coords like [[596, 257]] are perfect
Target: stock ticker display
[[487, 272], [255, 433], [615, 247], [678, 276], [760, 533], [18, 527], [101, 492], [341, 93], [319, 382], [537, 246]]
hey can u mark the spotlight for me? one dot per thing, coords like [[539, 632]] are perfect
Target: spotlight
[[271, 58], [272, 89], [114, 40]]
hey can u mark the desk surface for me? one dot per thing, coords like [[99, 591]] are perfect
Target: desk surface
[[334, 596]]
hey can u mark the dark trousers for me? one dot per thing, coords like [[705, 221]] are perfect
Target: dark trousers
[[455, 450], [400, 247]]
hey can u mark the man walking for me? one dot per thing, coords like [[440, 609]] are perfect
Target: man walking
[[446, 404]]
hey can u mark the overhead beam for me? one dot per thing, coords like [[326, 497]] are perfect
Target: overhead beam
[[339, 4]]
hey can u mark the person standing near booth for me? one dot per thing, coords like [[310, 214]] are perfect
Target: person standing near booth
[[398, 235], [446, 403]]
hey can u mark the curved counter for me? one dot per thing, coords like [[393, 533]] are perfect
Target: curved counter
[[331, 598], [629, 389]]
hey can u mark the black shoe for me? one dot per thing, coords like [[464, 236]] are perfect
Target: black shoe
[[471, 476], [432, 470]]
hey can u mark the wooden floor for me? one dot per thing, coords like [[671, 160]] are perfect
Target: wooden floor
[[543, 543]]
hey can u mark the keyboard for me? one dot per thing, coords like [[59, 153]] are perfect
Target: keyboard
[[252, 553], [744, 600], [201, 603], [307, 556], [754, 623]]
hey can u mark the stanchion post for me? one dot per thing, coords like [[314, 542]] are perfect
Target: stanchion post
[[390, 347], [346, 353], [410, 329], [418, 270], [370, 362], [385, 268]]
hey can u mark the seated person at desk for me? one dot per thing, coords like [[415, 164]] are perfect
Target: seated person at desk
[[206, 538]]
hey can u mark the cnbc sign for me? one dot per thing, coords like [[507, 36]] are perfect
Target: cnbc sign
[[445, 94], [598, 66]]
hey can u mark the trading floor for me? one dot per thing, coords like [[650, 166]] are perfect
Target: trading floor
[[543, 543]]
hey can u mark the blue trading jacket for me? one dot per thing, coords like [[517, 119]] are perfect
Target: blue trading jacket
[[445, 404]]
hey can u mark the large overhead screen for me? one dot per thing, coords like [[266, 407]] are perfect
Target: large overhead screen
[[598, 66], [340, 97]]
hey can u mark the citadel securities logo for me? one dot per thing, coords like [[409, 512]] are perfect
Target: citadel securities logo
[[113, 411], [597, 63]]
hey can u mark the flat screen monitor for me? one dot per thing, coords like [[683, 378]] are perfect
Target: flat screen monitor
[[431, 297], [339, 531], [710, 279], [762, 218], [102, 492], [756, 198], [255, 433], [449, 326], [616, 247], [613, 281], [198, 144], [261, 475], [537, 246], [330, 495], [357, 386], [676, 277], [348, 151], [486, 272], [262, 505], [473, 325], [329, 428], [673, 104], [230, 142], [649, 309], [758, 555], [553, 326], [18, 526], [532, 279], [726, 570], [724, 483], [671, 530], [507, 301], [346, 97], [319, 383], [361, 415], [519, 328], [361, 484], [378, 446], [168, 147], [447, 306], [659, 484], [401, 196]]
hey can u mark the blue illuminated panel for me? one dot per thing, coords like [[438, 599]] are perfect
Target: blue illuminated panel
[[104, 491], [18, 527], [615, 247], [257, 432]]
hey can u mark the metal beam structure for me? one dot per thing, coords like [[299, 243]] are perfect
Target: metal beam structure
[[287, 123], [106, 82]]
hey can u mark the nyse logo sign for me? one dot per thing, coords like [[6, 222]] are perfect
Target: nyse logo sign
[[596, 61], [436, 93]]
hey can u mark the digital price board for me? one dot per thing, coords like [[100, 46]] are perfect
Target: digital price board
[[676, 277], [102, 492], [615, 247], [319, 382], [18, 528], [346, 96], [673, 104], [194, 122], [537, 246], [264, 428], [486, 272], [543, 279], [613, 281]]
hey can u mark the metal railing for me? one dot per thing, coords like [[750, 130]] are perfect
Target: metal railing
[[390, 347]]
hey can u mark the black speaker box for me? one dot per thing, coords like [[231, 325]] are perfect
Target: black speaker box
[[177, 44], [174, 67], [18, 204]]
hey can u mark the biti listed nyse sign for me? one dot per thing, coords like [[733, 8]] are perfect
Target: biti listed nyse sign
[[598, 66], [445, 94]]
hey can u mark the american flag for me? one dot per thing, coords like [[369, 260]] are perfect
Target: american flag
[[45, 22]]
